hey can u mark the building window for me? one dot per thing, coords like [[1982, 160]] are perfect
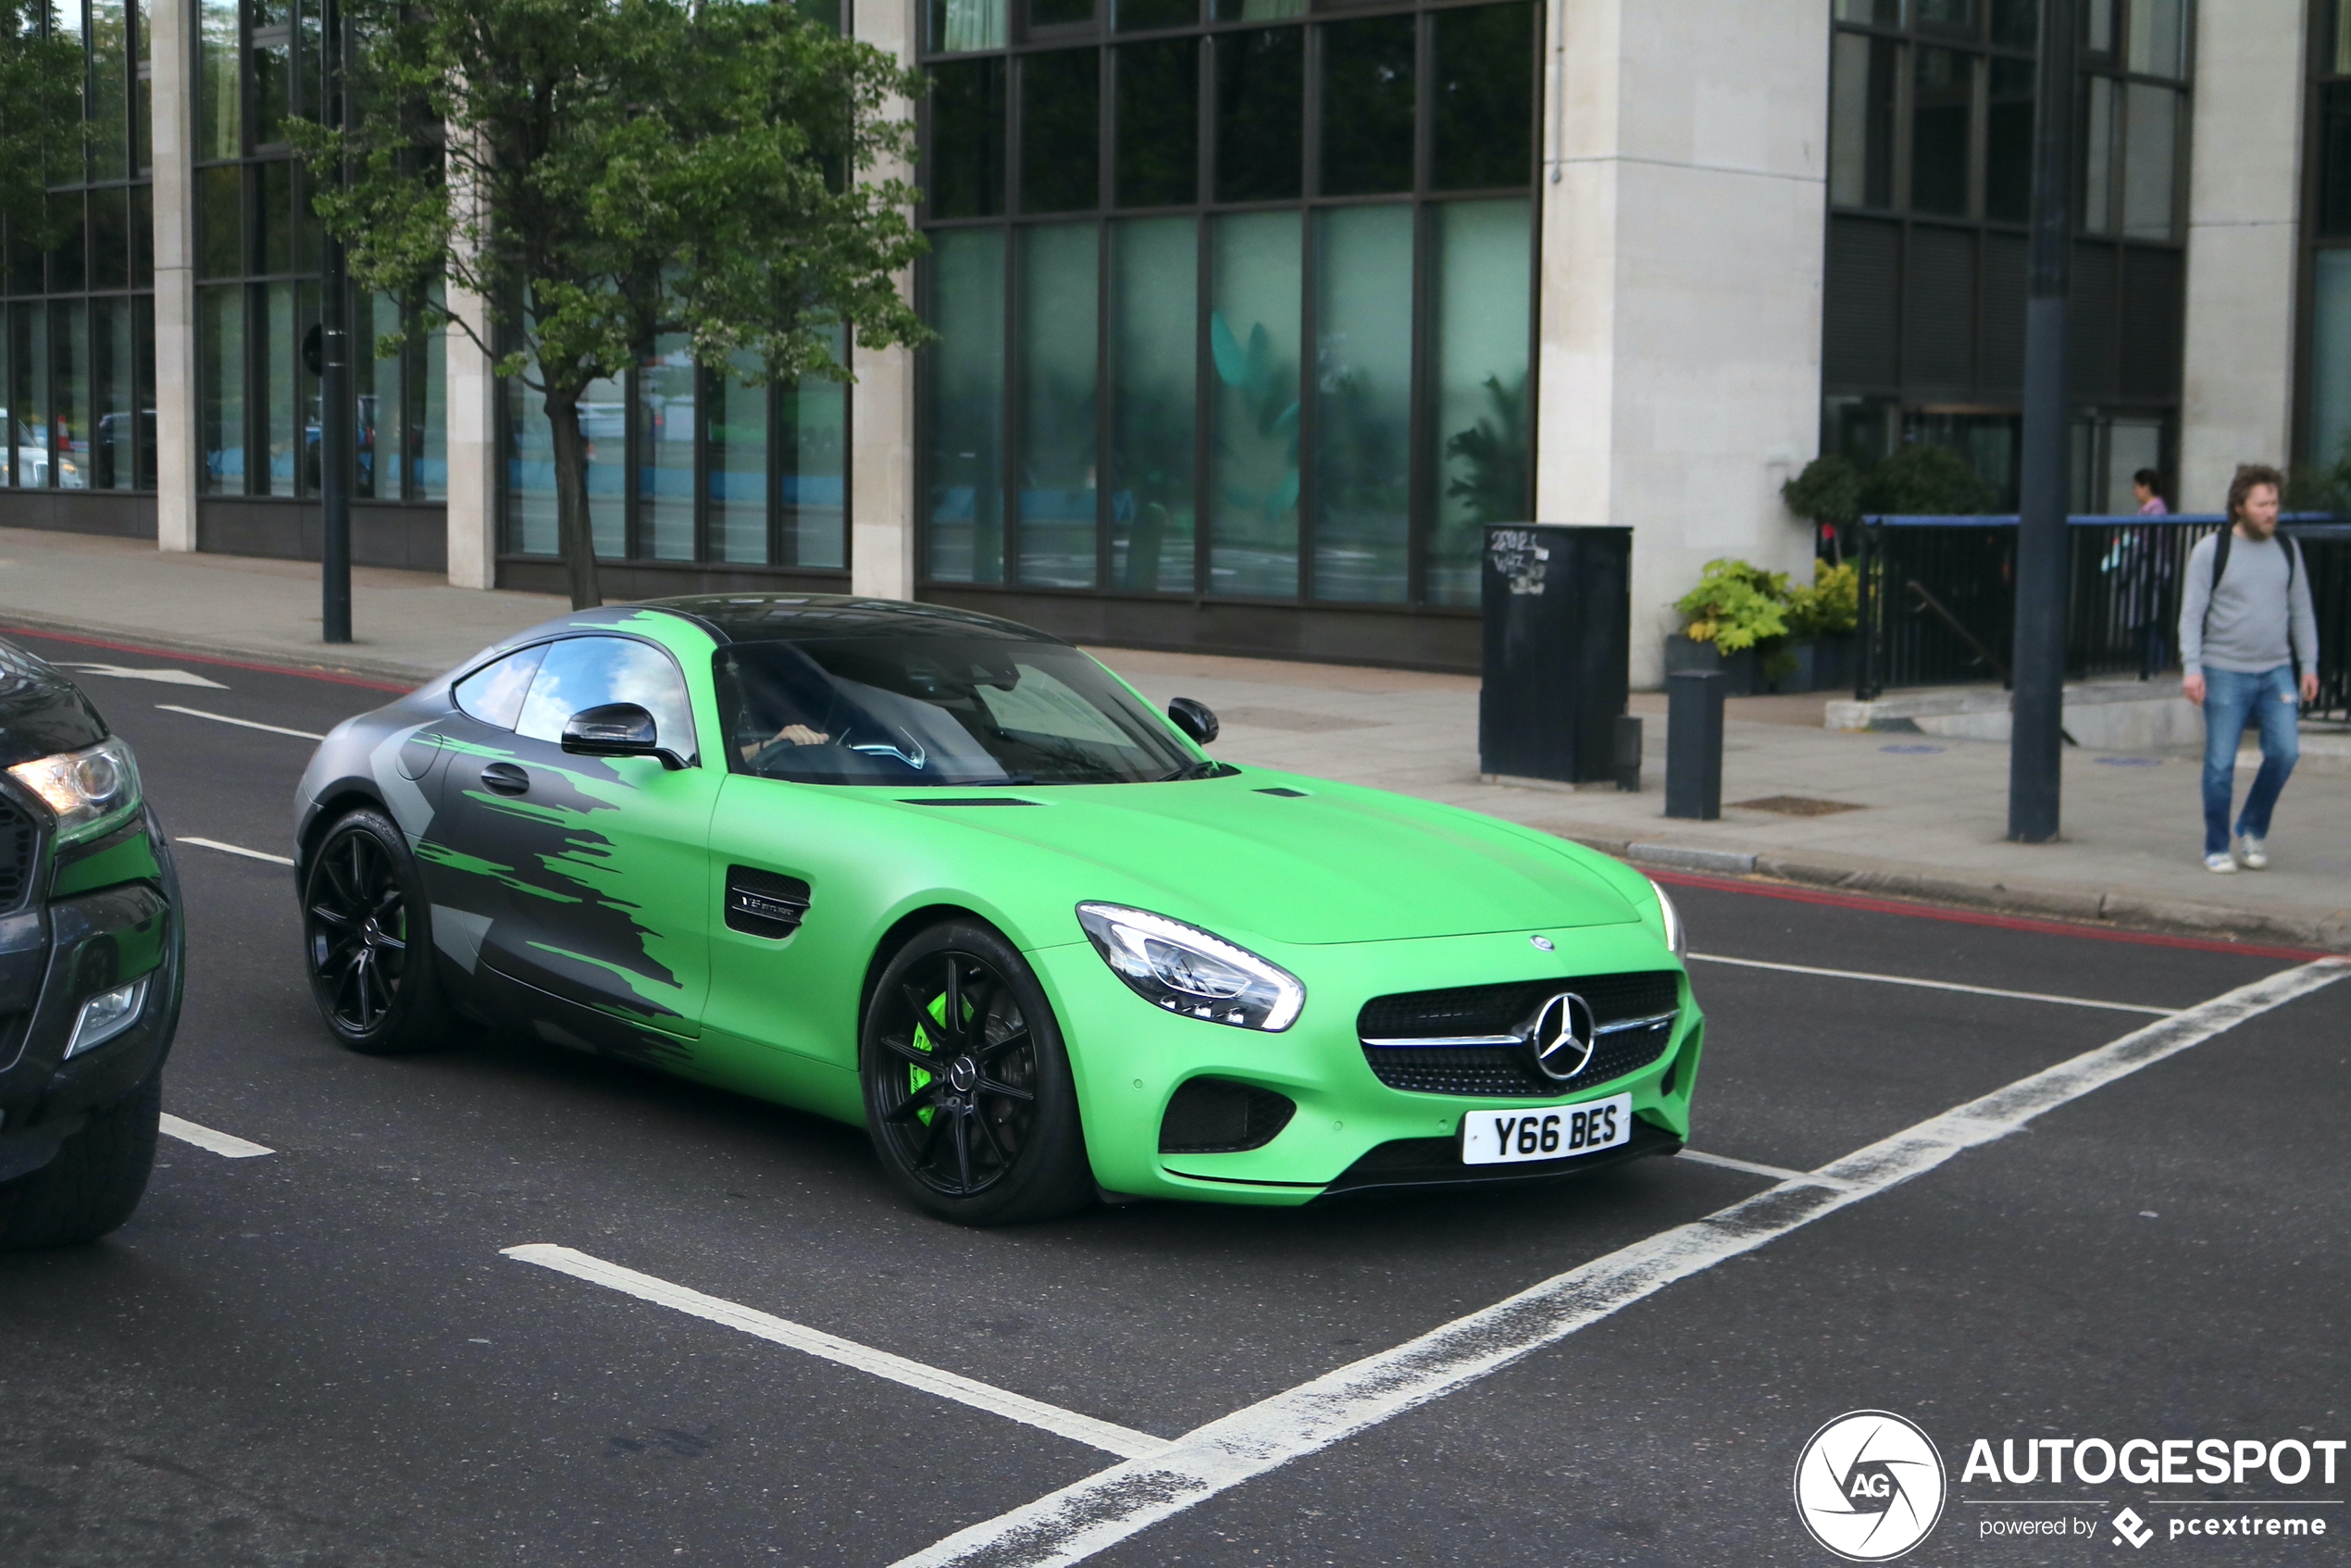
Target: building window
[[2324, 427], [1231, 302], [77, 322], [1930, 115]]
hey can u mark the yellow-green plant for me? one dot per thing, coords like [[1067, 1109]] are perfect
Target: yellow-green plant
[[1735, 605], [1831, 605]]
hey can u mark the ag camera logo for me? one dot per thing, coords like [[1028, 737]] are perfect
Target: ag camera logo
[[1870, 1486]]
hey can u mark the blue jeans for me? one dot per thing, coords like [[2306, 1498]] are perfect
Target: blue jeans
[[2231, 700]]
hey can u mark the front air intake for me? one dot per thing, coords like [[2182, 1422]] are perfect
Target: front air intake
[[1219, 1117]]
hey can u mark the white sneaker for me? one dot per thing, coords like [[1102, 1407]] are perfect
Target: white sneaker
[[2253, 853], [2220, 864]]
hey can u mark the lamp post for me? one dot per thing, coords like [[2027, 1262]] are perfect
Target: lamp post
[[336, 406], [2037, 734]]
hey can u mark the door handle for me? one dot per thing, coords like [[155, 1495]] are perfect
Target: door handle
[[505, 778]]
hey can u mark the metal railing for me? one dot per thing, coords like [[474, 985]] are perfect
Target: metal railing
[[1938, 599]]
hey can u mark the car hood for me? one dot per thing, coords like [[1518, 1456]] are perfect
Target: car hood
[[1323, 864], [42, 713]]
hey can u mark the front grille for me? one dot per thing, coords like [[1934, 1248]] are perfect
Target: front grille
[[19, 840], [1499, 1010], [1219, 1117]]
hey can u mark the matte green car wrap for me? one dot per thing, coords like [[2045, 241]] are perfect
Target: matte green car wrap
[[599, 893]]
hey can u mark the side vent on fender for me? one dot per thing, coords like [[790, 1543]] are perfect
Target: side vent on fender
[[764, 903]]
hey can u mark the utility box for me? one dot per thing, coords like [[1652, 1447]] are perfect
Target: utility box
[[1558, 611]]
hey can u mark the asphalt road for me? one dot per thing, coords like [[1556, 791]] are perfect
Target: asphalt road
[[323, 1356]]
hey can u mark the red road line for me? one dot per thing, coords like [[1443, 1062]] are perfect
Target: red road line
[[206, 659], [1974, 917]]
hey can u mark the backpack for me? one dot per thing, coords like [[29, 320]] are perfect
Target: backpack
[[2220, 543]]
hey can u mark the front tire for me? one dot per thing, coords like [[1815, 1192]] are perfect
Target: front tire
[[94, 1182], [968, 1096], [367, 941]]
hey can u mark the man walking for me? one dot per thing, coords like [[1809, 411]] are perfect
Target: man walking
[[2245, 627]]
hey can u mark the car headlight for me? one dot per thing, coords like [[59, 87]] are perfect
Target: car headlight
[[1675, 938], [1186, 970], [91, 791]]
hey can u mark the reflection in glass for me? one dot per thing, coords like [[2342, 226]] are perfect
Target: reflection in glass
[[272, 72], [2330, 356], [110, 239], [1061, 137], [966, 411], [965, 173], [531, 471], [221, 387], [70, 258], [814, 417], [219, 249], [1483, 135], [1364, 403], [1480, 440], [1862, 121], [115, 430], [738, 450], [1255, 10], [273, 199], [958, 25], [1881, 13], [1261, 85], [142, 236], [1059, 13], [69, 393], [1154, 321], [280, 345], [1942, 101], [666, 437], [2150, 137], [383, 402], [2098, 159], [109, 90], [1253, 342], [1367, 106], [2158, 36], [1158, 107], [28, 392], [2007, 143], [1059, 265], [2016, 23], [1136, 15], [428, 438], [220, 119]]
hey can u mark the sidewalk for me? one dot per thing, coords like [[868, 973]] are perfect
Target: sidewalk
[[1920, 817]]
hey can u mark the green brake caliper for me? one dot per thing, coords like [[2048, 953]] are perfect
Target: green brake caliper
[[917, 1077]]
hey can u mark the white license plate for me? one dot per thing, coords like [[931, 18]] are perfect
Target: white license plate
[[1501, 1137]]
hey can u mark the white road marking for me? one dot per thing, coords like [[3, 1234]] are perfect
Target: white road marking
[[128, 672], [241, 723], [1099, 1511], [1937, 985], [220, 1143], [1121, 1440], [1777, 1173], [237, 848]]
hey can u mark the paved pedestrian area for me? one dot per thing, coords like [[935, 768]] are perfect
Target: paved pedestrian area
[[1919, 815]]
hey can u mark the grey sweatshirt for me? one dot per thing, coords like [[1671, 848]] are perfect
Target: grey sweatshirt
[[2251, 618]]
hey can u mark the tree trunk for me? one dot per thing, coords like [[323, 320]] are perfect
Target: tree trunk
[[573, 529]]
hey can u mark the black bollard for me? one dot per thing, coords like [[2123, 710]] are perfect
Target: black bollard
[[1628, 752], [1694, 744]]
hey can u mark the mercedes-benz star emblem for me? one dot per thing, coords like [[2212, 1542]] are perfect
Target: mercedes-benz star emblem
[[1561, 1036]]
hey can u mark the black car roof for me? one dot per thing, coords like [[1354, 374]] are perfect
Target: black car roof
[[798, 617]]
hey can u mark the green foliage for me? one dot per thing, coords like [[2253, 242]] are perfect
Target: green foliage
[[1492, 486], [1924, 479], [2311, 487], [1735, 605], [41, 127], [596, 171], [1828, 491], [1830, 606]]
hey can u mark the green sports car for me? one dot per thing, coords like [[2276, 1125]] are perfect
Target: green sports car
[[949, 877]]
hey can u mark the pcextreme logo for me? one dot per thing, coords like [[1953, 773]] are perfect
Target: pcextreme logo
[[1870, 1486]]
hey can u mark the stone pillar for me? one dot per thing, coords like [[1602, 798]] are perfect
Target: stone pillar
[[1684, 190], [882, 401], [473, 450], [2245, 183], [179, 441]]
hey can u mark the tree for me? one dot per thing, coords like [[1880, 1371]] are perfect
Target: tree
[[1924, 479], [597, 171], [40, 128]]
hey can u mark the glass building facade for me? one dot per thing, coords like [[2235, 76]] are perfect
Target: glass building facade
[[1235, 298], [1929, 186], [2324, 433], [77, 319]]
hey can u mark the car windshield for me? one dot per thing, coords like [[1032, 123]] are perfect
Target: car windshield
[[932, 709]]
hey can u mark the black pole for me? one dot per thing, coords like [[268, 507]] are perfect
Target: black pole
[[336, 408], [2038, 735]]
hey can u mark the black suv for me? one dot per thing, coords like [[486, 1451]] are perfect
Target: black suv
[[91, 955]]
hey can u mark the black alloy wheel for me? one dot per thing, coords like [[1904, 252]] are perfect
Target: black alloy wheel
[[365, 936], [967, 1092]]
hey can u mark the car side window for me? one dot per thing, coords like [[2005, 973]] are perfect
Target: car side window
[[588, 672], [494, 693]]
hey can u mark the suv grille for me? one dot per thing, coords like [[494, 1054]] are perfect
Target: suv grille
[[1500, 1010], [19, 841]]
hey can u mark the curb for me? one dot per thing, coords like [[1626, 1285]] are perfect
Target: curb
[[2118, 907], [294, 660]]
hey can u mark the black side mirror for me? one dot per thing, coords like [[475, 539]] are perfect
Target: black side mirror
[[617, 729], [1194, 717]]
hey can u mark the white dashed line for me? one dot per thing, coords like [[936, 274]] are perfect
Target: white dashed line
[[240, 723], [1099, 1513], [1123, 1441], [1935, 985], [220, 1143], [237, 848]]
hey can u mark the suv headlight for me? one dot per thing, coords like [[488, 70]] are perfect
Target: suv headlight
[[1186, 970], [90, 790], [1675, 938]]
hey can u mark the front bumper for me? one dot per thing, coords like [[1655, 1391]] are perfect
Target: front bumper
[[1130, 1059], [111, 915]]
